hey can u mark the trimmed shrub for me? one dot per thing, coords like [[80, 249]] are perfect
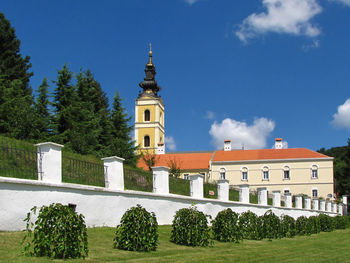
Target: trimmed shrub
[[190, 228], [225, 226], [59, 232], [288, 228], [326, 222], [138, 230], [303, 226], [340, 222], [271, 225], [314, 222], [251, 226]]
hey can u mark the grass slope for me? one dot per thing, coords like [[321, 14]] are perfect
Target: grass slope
[[323, 247]]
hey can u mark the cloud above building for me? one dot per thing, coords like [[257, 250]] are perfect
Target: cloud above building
[[341, 119], [281, 16], [170, 143], [191, 2], [242, 134], [345, 2]]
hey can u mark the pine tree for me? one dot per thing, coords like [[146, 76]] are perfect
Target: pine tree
[[42, 111], [17, 115], [66, 106], [12, 65], [121, 144]]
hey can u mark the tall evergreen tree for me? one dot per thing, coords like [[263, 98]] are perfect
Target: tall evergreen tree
[[42, 111], [66, 106], [95, 102], [12, 65], [17, 115], [121, 144]]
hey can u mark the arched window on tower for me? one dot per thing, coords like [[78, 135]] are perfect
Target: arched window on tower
[[146, 141], [147, 115]]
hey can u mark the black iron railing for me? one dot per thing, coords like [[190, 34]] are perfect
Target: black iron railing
[[82, 172], [136, 179], [17, 160]]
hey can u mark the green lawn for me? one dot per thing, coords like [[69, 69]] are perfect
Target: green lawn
[[323, 247]]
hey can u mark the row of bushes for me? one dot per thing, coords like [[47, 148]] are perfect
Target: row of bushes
[[59, 232]]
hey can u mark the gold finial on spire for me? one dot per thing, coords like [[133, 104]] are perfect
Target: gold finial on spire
[[150, 55]]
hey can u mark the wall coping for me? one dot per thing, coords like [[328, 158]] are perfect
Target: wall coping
[[132, 192]]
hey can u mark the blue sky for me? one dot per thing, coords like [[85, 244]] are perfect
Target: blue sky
[[249, 71]]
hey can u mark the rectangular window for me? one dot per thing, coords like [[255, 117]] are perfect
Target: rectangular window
[[186, 176], [265, 175], [245, 176], [286, 191], [314, 193], [222, 175], [286, 175], [314, 174]]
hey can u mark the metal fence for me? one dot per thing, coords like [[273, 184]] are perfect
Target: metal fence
[[17, 161], [135, 179], [83, 172]]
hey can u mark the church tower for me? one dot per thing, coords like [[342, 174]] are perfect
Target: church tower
[[149, 113]]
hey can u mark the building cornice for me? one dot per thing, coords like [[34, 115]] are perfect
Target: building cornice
[[274, 160]]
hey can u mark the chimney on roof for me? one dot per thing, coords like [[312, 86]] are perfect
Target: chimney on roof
[[278, 143], [227, 145], [161, 148]]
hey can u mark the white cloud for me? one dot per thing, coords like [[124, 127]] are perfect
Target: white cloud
[[314, 44], [209, 115], [170, 143], [341, 119], [242, 134], [345, 2], [191, 2], [282, 16]]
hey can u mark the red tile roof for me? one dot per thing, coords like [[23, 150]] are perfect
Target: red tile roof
[[185, 161], [266, 154]]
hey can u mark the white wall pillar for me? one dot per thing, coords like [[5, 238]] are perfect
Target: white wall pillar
[[307, 203], [160, 180], [315, 204], [345, 203], [197, 185], [114, 176], [334, 207], [340, 209], [276, 198], [322, 205], [244, 193], [49, 157], [328, 206], [288, 200], [262, 196], [223, 190], [298, 201]]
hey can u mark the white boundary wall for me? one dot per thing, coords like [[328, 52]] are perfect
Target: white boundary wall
[[105, 207]]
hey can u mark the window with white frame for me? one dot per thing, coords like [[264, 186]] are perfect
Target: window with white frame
[[314, 193], [286, 173], [265, 173], [314, 172], [286, 191], [244, 174], [186, 176], [222, 172]]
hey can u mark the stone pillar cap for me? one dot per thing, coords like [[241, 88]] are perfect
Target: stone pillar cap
[[223, 181], [49, 143], [243, 185], [195, 176], [287, 194], [261, 188], [276, 191], [113, 157], [160, 168]]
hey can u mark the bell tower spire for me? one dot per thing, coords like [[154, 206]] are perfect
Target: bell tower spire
[[149, 113]]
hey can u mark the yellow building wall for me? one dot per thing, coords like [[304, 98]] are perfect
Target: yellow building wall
[[300, 182], [146, 131]]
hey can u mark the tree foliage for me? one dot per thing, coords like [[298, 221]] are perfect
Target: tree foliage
[[226, 226]]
